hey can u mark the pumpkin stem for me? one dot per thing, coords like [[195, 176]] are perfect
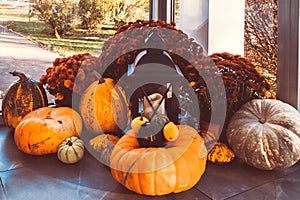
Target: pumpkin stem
[[262, 120], [69, 143], [142, 115], [99, 76], [21, 75], [48, 115]]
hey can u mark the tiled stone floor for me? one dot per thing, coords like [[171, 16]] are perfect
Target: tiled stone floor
[[45, 177]]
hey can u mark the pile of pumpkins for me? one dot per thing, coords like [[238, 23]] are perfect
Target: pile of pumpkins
[[39, 128], [264, 133]]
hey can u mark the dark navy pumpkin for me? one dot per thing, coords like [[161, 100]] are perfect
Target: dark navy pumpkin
[[22, 97]]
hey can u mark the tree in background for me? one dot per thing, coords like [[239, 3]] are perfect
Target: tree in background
[[90, 13], [59, 15], [261, 32], [121, 11], [64, 15], [93, 13]]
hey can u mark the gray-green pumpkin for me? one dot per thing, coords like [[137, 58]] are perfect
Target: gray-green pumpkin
[[265, 133]]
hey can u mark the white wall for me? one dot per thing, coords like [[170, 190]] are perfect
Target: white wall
[[226, 26], [225, 31]]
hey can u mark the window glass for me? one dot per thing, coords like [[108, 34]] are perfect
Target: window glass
[[192, 18], [248, 28], [261, 33]]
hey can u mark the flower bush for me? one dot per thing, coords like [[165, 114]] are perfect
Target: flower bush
[[241, 79], [68, 76]]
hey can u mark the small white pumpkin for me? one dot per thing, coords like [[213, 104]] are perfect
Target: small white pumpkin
[[71, 150]]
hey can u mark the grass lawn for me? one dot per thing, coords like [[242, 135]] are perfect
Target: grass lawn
[[79, 41]]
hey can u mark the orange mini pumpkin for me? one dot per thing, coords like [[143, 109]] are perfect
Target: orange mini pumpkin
[[158, 171], [104, 107], [44, 129]]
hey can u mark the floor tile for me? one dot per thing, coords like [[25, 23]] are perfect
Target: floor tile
[[191, 194], [27, 184], [283, 188], [2, 191], [8, 150], [224, 181]]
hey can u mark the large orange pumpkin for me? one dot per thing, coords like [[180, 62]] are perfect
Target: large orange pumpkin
[[157, 171], [104, 107], [44, 129]]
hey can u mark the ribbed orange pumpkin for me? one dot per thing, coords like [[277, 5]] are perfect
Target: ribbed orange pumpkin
[[22, 97], [158, 171], [44, 129], [104, 107]]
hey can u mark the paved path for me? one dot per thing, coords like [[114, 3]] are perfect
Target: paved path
[[21, 54]]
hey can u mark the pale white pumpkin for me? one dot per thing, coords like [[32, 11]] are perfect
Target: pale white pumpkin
[[71, 150]]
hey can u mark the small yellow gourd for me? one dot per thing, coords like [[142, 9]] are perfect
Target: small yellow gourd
[[170, 132], [103, 145], [220, 153], [137, 122]]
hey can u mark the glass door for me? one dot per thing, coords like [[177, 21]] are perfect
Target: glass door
[[244, 27]]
